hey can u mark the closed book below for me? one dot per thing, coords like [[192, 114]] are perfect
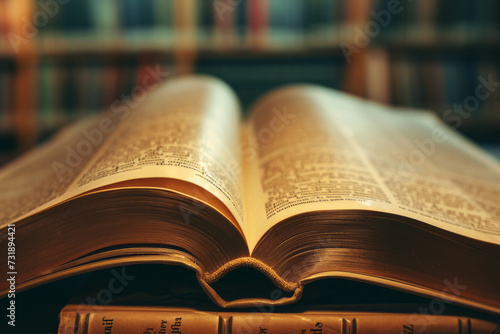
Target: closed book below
[[77, 319]]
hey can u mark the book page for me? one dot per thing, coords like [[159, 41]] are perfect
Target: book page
[[43, 175], [186, 130], [337, 152]]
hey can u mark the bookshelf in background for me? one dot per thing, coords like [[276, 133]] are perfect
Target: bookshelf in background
[[435, 54], [88, 53]]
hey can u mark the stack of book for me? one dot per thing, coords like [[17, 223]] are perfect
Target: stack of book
[[314, 186]]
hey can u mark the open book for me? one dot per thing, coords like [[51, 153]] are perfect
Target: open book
[[314, 184]]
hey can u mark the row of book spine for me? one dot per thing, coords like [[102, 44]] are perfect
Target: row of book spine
[[70, 89], [242, 17], [443, 82], [442, 14], [67, 91]]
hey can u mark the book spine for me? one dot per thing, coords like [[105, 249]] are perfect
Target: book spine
[[186, 39], [137, 321], [224, 18], [4, 23], [257, 16], [258, 22]]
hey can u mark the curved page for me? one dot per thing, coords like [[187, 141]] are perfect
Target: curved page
[[186, 130], [316, 149]]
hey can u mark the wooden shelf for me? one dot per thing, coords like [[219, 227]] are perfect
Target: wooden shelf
[[78, 44], [56, 46], [443, 41]]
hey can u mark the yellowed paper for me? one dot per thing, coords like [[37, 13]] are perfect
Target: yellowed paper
[[339, 152], [44, 175], [186, 130]]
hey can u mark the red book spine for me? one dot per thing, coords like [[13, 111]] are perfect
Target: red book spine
[[258, 17]]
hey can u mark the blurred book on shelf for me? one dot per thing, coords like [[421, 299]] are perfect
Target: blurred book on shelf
[[63, 60]]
